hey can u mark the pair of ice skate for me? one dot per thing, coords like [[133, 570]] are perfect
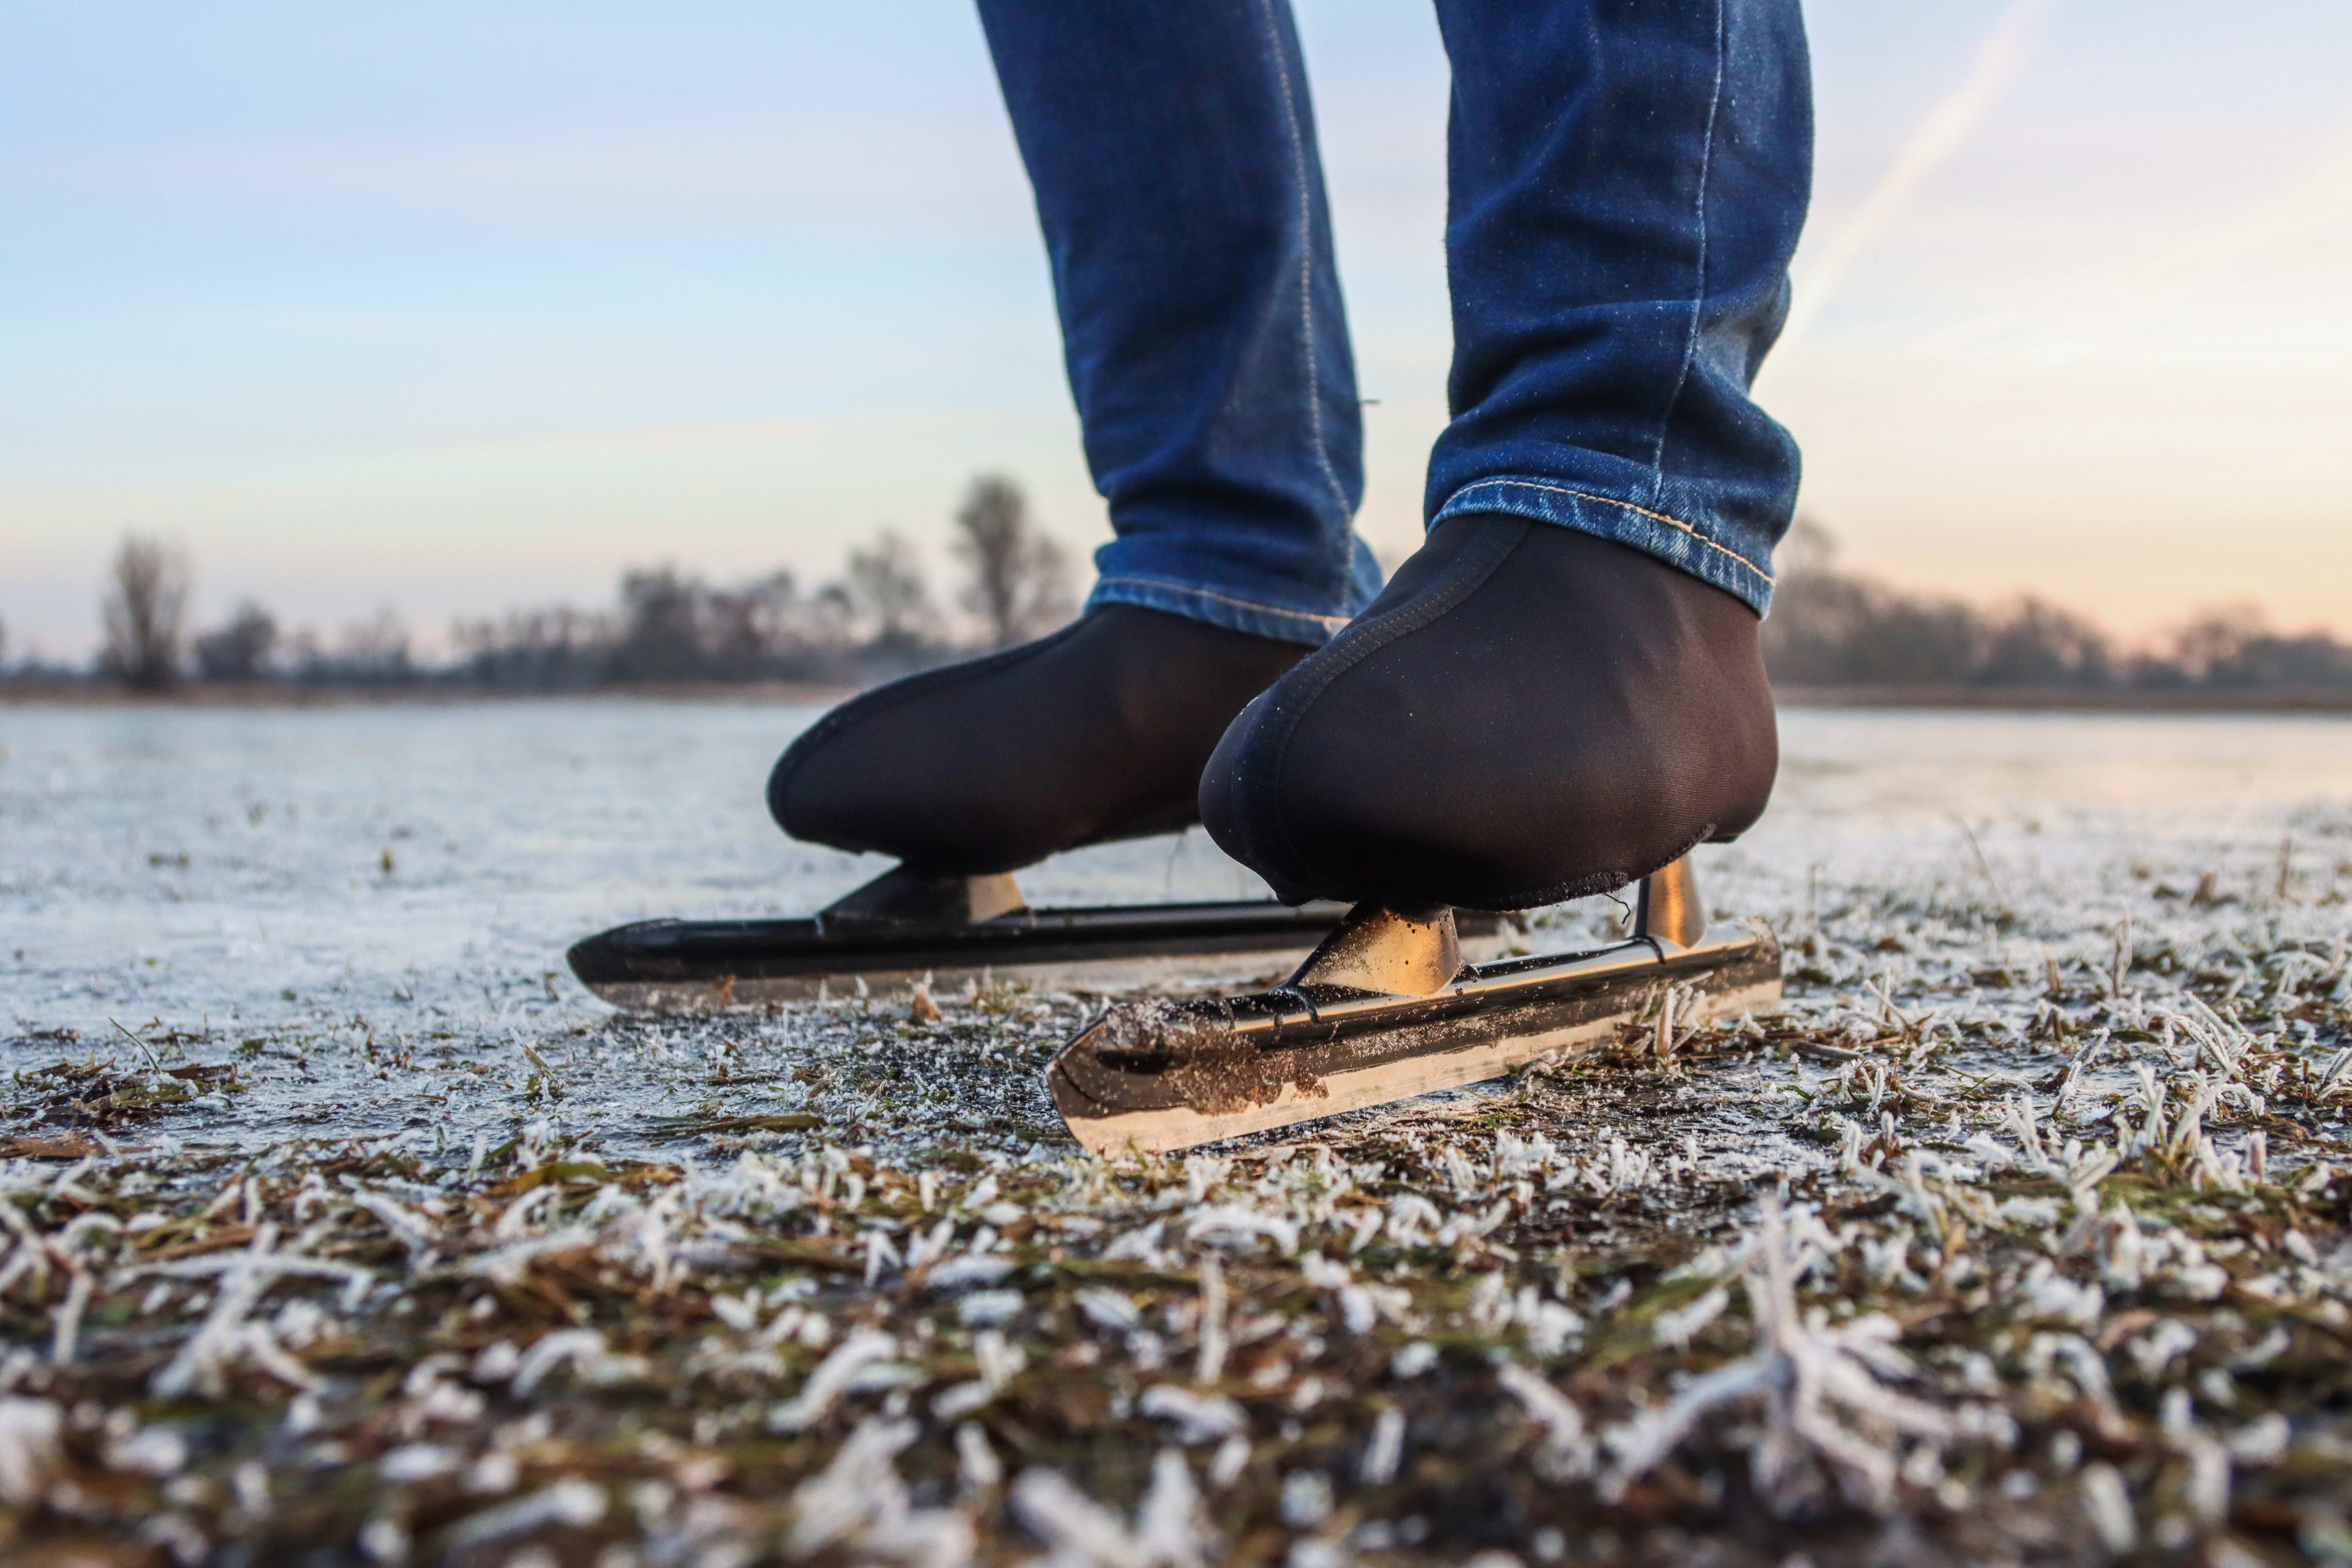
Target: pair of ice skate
[[1526, 714]]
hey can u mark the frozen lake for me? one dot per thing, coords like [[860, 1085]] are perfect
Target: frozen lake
[[420, 868]]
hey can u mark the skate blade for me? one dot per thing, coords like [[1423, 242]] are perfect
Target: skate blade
[[1153, 1076], [716, 966]]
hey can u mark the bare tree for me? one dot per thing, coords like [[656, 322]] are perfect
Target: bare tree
[[557, 648], [1019, 578], [2232, 647], [240, 650], [753, 628], [1808, 550], [662, 614], [2032, 642], [145, 612], [885, 585], [374, 652]]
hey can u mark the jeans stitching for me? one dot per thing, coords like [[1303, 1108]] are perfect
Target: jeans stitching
[[1306, 255], [1224, 599], [1673, 523], [1698, 292]]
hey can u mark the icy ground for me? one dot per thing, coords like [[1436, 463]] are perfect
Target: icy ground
[[342, 1225], [412, 874]]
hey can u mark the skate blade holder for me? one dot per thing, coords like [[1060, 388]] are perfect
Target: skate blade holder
[[902, 900], [1384, 1009], [905, 929]]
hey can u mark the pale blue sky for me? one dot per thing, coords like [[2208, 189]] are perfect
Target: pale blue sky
[[454, 307]]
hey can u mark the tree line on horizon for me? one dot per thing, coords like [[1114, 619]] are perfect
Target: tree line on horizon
[[877, 619], [1828, 629], [1832, 628]]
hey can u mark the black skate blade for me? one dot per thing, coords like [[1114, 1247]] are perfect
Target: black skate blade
[[1154, 1075], [701, 966]]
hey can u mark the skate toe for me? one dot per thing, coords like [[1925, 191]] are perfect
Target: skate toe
[[1097, 732], [1548, 717]]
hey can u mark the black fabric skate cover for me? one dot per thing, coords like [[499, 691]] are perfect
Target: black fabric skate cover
[[1098, 731], [1525, 714]]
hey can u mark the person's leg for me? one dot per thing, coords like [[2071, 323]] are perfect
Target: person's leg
[[1628, 183], [1172, 148], [1563, 689], [1174, 158]]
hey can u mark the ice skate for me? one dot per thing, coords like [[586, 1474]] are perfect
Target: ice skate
[[1527, 715], [905, 928], [1385, 1009], [968, 774]]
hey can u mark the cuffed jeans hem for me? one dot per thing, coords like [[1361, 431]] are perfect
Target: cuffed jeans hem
[[1235, 615], [1741, 573]]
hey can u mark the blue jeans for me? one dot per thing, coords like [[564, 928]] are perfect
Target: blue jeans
[[1628, 180]]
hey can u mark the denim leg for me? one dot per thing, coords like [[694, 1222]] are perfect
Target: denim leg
[[1628, 181], [1172, 153]]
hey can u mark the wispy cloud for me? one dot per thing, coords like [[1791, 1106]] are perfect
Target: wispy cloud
[[1932, 141]]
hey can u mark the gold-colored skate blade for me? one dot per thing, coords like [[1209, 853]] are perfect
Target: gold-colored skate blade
[[1153, 1076]]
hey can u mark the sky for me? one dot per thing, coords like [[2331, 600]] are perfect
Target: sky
[[450, 308]]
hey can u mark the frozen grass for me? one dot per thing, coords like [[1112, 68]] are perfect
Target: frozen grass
[[2025, 1234]]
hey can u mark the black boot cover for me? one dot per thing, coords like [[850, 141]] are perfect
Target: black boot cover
[[1525, 714], [1098, 731]]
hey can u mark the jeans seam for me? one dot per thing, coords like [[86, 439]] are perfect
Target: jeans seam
[[1698, 292], [1306, 255], [1224, 599], [1655, 516]]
